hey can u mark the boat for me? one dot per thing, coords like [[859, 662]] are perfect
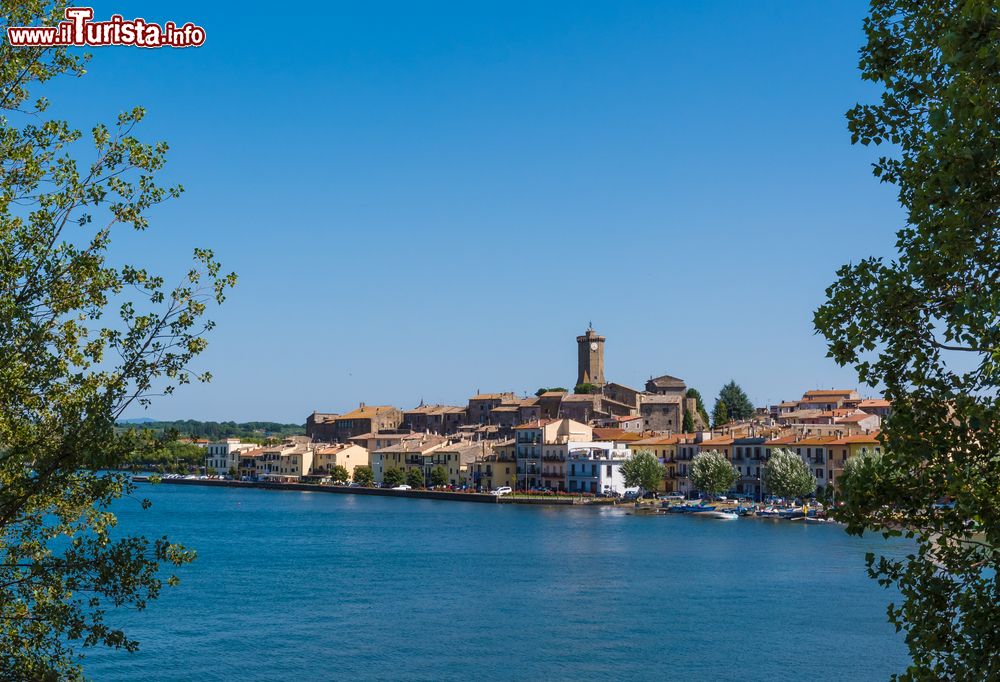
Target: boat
[[813, 519], [724, 515], [140, 479], [691, 508]]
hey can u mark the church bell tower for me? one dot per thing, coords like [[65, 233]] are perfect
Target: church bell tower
[[590, 358]]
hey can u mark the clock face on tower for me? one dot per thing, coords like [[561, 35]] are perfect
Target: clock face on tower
[[593, 345]]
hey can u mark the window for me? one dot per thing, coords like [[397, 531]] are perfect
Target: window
[[819, 473]]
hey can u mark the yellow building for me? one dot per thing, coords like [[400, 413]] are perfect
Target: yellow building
[[348, 456], [493, 471], [843, 449], [454, 459], [664, 448], [405, 455]]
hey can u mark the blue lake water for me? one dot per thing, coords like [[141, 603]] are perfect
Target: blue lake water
[[307, 586]]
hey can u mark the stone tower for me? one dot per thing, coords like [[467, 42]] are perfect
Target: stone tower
[[590, 358]]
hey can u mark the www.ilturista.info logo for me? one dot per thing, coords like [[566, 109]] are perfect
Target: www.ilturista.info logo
[[79, 29]]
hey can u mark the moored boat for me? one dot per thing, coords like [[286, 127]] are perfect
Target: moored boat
[[713, 514]]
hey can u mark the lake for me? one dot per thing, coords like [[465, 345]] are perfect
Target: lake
[[300, 585]]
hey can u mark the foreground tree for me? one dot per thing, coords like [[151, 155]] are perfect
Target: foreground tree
[[644, 470], [926, 326], [712, 473], [363, 475], [393, 476], [415, 477], [340, 474], [83, 338], [439, 476], [787, 475]]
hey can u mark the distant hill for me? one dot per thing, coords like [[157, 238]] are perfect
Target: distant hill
[[191, 428]]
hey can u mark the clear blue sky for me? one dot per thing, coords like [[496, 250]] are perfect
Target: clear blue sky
[[426, 199]]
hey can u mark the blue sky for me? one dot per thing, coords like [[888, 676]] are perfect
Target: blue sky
[[423, 200]]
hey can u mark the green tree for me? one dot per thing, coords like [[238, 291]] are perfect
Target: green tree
[[393, 476], [546, 390], [720, 414], [439, 476], [688, 423], [340, 474], [925, 326], [586, 388], [738, 405], [712, 473], [415, 477], [693, 393], [786, 475], [85, 336], [644, 470], [363, 475]]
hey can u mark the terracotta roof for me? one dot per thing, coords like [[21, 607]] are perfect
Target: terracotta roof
[[816, 440], [859, 417], [781, 440], [366, 412], [831, 392], [722, 440], [492, 396], [655, 399], [612, 433], [859, 438], [666, 380], [874, 402], [537, 424], [658, 440]]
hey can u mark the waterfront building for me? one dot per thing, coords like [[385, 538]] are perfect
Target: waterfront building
[[748, 460], [595, 467], [845, 448], [223, 457], [531, 441], [406, 454], [496, 468], [815, 451], [455, 459], [347, 455], [382, 439], [286, 462], [664, 448], [248, 463]]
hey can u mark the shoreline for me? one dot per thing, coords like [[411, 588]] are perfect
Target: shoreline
[[480, 498]]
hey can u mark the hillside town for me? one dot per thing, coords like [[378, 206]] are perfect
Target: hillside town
[[562, 441]]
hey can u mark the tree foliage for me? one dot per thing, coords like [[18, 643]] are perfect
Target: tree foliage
[[415, 477], [644, 470], [720, 413], [712, 473], [586, 388], [84, 336], [925, 325], [340, 474], [393, 476], [736, 404], [787, 475], [439, 476], [700, 403], [687, 423], [546, 390], [363, 475]]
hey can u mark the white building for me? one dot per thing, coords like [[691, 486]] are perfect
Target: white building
[[224, 456], [595, 467]]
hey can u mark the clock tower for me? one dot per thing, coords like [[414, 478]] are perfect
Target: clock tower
[[590, 358]]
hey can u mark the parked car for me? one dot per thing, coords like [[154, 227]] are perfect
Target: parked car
[[403, 487], [502, 490], [672, 496]]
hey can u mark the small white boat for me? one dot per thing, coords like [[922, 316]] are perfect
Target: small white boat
[[724, 515]]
